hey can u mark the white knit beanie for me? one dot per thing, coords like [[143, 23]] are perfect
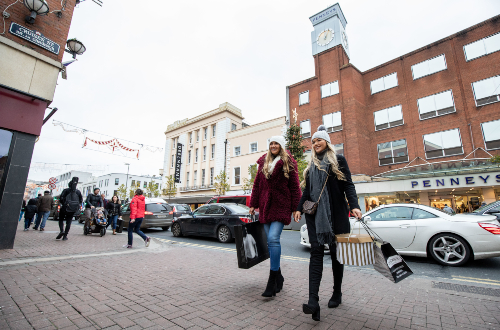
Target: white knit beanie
[[278, 139], [321, 134]]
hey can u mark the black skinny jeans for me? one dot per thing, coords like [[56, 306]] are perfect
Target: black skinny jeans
[[316, 263], [68, 217]]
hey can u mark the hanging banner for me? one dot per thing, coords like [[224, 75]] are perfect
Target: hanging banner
[[178, 162]]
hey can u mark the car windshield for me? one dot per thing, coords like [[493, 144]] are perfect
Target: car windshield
[[238, 209], [179, 207], [486, 207], [156, 207]]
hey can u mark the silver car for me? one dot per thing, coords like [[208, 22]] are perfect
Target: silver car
[[158, 214]]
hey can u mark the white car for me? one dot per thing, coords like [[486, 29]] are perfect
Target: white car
[[420, 230]]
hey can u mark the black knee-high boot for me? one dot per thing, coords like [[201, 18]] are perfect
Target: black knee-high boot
[[279, 281], [315, 275], [338, 274], [271, 287]]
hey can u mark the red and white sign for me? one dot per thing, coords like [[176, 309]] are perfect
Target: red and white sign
[[53, 181], [52, 186]]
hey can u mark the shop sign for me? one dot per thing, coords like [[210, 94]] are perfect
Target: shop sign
[[178, 163], [473, 180], [324, 15], [34, 37]]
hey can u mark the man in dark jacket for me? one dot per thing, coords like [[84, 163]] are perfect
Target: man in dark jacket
[[30, 211], [92, 201], [44, 205], [71, 199]]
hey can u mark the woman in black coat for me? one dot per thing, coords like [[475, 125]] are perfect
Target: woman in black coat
[[29, 213], [331, 217], [114, 211]]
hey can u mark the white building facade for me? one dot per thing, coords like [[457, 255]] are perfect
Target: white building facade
[[109, 183], [64, 179]]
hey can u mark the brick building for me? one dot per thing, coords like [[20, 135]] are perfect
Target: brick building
[[407, 125], [30, 63]]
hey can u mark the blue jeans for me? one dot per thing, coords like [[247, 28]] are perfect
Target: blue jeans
[[21, 216], [44, 215], [136, 226], [112, 220], [273, 232]]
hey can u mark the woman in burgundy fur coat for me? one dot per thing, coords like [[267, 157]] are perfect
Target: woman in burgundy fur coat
[[276, 193]]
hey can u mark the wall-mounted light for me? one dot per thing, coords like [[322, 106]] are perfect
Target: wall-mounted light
[[37, 7], [75, 47]]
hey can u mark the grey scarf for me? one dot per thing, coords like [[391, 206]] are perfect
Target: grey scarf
[[323, 216]]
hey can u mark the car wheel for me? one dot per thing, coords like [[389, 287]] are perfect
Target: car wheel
[[224, 234], [164, 228], [176, 230], [449, 250]]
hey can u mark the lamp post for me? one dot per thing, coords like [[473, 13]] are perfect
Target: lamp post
[[126, 181], [75, 47], [36, 7]]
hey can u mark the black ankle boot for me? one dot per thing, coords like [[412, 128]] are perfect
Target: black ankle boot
[[279, 281], [312, 307], [65, 237], [271, 284], [60, 235], [335, 300]]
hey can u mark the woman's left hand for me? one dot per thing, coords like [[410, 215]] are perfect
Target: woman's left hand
[[357, 213]]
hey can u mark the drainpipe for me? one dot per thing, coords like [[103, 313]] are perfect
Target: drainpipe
[[472, 139], [225, 151]]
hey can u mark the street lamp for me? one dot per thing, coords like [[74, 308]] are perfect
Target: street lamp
[[75, 47], [126, 181], [37, 7]]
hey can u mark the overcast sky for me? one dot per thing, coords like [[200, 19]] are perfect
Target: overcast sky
[[150, 63]]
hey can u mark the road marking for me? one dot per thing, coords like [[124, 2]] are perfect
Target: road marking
[[472, 281], [465, 278]]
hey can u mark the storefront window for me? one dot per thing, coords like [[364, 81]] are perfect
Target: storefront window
[[372, 201], [5, 141]]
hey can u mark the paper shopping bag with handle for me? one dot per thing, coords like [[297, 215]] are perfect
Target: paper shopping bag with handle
[[251, 243], [355, 249]]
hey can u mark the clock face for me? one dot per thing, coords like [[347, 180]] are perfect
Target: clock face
[[325, 37]]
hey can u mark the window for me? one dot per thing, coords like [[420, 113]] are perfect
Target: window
[[436, 105], [392, 152], [204, 153], [187, 179], [197, 136], [216, 209], [381, 84], [117, 180], [196, 156], [233, 127], [305, 128], [133, 182], [157, 207], [138, 184], [211, 176], [392, 213], [339, 149], [205, 133], [491, 134], [145, 184], [203, 177], [236, 175], [191, 137], [304, 98], [486, 91], [189, 157], [332, 122], [213, 151], [195, 177], [330, 89], [441, 144], [173, 161], [201, 210], [421, 214], [482, 47], [388, 118], [213, 130], [253, 147], [428, 67], [237, 151]]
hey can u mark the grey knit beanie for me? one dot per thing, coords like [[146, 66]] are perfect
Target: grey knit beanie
[[321, 134]]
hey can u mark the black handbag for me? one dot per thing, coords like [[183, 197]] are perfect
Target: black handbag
[[251, 243], [119, 225]]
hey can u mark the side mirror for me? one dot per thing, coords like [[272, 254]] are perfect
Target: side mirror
[[367, 218]]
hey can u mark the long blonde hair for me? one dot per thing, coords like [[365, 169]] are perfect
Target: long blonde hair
[[287, 166], [331, 156]]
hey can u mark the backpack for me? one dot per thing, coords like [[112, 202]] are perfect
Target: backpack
[[72, 202]]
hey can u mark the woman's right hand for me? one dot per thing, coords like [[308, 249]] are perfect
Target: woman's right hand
[[296, 216], [252, 210]]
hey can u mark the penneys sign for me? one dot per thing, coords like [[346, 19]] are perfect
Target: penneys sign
[[459, 181], [34, 37], [178, 163], [324, 15]]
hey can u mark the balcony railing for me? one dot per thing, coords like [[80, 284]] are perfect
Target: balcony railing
[[194, 188]]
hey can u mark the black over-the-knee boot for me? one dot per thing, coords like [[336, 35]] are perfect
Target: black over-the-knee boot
[[315, 275], [338, 275]]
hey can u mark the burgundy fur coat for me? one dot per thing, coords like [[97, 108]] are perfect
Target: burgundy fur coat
[[276, 197]]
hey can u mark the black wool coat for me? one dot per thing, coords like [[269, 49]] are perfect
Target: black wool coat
[[338, 191]]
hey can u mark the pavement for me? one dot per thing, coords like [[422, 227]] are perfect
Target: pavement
[[92, 282]]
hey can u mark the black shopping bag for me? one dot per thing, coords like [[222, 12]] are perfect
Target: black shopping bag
[[251, 243], [119, 225], [389, 263]]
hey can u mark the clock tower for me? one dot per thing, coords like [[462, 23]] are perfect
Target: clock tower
[[329, 30]]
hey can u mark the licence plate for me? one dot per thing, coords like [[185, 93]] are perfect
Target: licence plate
[[161, 216]]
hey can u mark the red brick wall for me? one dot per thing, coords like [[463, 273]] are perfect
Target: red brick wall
[[357, 104], [51, 26]]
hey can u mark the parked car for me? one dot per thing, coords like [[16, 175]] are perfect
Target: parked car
[[157, 214], [490, 209], [180, 209], [420, 231], [212, 220], [240, 199]]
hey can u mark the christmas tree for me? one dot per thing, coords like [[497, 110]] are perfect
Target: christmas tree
[[294, 139]]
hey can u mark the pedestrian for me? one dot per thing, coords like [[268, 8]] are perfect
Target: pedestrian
[[276, 193], [71, 200], [37, 215], [23, 208], [44, 205], [448, 209], [114, 211], [92, 201], [104, 200], [137, 209], [329, 170], [29, 213]]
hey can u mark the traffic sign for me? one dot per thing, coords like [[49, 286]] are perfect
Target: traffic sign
[[53, 180], [52, 186]]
